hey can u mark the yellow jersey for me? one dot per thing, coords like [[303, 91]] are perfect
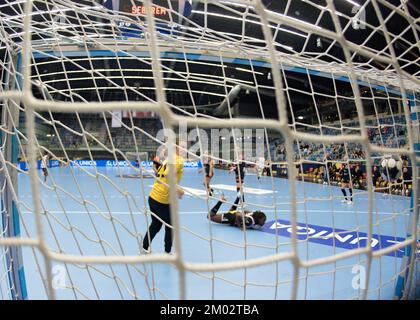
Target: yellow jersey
[[160, 189]]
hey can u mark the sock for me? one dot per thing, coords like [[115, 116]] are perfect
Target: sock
[[344, 193], [216, 208], [235, 204], [238, 194], [351, 194], [236, 200]]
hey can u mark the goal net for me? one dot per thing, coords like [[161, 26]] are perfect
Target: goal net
[[315, 101]]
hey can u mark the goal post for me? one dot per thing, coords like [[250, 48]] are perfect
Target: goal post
[[88, 65], [14, 271], [406, 281], [138, 157]]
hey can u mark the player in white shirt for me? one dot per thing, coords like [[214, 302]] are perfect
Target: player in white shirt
[[260, 166], [44, 166]]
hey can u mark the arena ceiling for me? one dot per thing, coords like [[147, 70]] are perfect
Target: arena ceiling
[[212, 83]]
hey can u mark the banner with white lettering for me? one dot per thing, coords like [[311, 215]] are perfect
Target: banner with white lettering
[[339, 238]]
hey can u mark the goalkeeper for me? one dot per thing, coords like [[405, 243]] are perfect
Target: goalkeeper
[[159, 202]]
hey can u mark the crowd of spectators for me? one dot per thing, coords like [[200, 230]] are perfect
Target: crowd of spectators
[[313, 158]]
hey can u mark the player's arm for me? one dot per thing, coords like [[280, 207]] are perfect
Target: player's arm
[[179, 173], [156, 164]]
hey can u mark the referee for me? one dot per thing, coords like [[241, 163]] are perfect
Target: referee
[[159, 202]]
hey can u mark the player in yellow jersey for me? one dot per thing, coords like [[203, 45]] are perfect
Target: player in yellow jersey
[[159, 201]]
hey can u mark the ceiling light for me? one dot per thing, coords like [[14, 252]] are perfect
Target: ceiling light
[[353, 3], [250, 71], [319, 42]]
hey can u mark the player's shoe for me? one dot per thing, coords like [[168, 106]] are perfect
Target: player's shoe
[[349, 202], [344, 200], [145, 251]]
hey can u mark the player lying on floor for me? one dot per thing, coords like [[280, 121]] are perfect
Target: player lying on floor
[[243, 220]]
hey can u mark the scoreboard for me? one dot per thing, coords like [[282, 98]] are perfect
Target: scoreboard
[[137, 11], [160, 10]]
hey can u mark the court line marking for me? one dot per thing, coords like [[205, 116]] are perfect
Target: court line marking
[[251, 190], [201, 192], [204, 212]]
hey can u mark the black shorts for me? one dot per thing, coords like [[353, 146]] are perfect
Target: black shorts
[[228, 218], [162, 210], [44, 170], [345, 180], [208, 171], [240, 176], [240, 179]]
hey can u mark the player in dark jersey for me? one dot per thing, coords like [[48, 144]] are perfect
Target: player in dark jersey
[[239, 169], [407, 179], [208, 171], [375, 175], [345, 174], [243, 220], [357, 175]]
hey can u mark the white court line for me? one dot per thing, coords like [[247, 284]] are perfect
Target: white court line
[[245, 189], [192, 191], [204, 212], [201, 192], [197, 192]]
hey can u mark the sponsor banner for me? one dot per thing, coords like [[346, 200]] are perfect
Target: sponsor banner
[[334, 237], [51, 164], [192, 164], [245, 189], [104, 163], [123, 163]]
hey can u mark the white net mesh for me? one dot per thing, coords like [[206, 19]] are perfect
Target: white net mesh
[[294, 88]]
